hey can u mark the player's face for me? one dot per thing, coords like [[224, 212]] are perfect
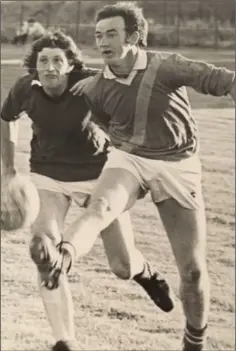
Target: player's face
[[52, 67], [111, 39]]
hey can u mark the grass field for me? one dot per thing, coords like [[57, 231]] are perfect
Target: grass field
[[112, 314]]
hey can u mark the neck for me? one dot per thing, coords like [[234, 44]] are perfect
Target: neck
[[126, 64]]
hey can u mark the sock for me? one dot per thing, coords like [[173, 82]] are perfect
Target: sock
[[194, 339], [69, 254], [146, 272]]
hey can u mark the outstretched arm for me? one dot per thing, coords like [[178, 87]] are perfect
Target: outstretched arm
[[176, 71]]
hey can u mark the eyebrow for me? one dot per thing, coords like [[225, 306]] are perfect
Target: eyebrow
[[44, 55], [108, 31]]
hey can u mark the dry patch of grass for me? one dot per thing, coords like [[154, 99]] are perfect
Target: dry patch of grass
[[116, 314]]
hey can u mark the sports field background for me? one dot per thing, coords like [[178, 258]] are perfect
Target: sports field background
[[112, 314]]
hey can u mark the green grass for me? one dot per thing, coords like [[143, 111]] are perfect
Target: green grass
[[112, 314]]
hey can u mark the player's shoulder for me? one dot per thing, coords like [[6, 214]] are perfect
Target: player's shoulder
[[89, 71], [25, 80], [160, 56], [23, 84], [80, 73], [95, 85], [163, 60]]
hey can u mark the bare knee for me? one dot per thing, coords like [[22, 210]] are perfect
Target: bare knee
[[194, 274], [38, 248], [43, 238], [120, 269], [98, 206], [35, 244], [101, 211]]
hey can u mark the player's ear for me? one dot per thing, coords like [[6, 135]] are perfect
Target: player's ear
[[134, 38]]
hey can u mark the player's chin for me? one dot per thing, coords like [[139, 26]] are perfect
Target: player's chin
[[110, 60], [53, 85], [107, 61]]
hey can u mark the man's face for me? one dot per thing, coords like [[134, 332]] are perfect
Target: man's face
[[111, 39], [52, 67]]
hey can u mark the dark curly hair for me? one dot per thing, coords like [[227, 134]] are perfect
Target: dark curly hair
[[54, 39], [132, 15]]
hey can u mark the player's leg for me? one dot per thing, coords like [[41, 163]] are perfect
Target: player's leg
[[46, 234], [128, 263], [116, 190], [125, 260], [186, 229]]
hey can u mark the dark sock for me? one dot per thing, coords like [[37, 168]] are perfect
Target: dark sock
[[194, 339]]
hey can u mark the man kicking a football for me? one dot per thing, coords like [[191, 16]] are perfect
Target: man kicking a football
[[141, 98], [68, 151]]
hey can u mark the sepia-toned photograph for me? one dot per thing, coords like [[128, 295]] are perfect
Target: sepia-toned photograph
[[118, 175]]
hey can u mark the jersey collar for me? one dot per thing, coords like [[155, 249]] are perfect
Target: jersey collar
[[140, 64]]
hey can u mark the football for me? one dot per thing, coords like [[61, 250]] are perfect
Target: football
[[20, 202]]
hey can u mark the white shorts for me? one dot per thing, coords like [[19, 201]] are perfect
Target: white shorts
[[180, 180], [78, 191]]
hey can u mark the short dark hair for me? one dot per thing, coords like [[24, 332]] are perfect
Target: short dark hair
[[54, 39], [132, 15]]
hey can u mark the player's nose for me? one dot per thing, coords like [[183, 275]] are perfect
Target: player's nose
[[50, 66]]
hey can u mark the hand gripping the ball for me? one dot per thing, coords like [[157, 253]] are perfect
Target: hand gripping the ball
[[20, 202]]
